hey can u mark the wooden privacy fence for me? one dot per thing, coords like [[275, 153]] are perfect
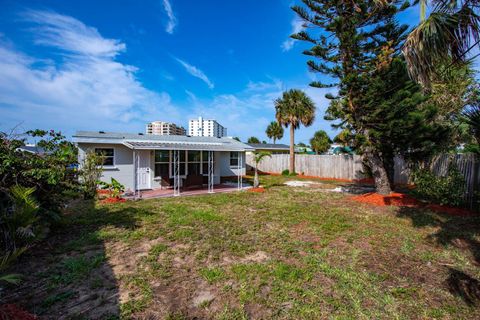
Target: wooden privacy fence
[[326, 166], [350, 167]]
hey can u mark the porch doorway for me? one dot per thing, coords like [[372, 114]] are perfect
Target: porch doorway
[[143, 170]]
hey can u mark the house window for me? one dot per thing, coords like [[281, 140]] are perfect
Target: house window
[[205, 162], [234, 158], [107, 154], [162, 158]]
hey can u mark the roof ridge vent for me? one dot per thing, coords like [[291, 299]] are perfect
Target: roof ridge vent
[[101, 131]]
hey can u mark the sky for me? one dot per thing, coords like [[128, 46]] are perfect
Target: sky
[[116, 65]]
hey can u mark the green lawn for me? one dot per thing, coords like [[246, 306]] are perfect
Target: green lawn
[[287, 253]]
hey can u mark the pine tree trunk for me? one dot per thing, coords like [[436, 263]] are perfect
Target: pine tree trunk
[[380, 174], [292, 149]]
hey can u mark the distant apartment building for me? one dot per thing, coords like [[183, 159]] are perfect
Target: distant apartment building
[[162, 128], [206, 128]]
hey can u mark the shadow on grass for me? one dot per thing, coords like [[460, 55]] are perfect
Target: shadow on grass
[[464, 286], [461, 232], [68, 275]]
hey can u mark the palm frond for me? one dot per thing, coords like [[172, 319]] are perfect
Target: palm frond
[[447, 34]]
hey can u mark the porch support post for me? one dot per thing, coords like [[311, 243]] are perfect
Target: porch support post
[[135, 174], [176, 173], [210, 171], [239, 171]]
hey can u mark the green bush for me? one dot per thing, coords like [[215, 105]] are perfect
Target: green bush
[[286, 172], [91, 171], [19, 227], [447, 190]]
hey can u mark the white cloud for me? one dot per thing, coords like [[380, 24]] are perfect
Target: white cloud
[[172, 20], [88, 89], [297, 26], [194, 71], [260, 86], [69, 34]]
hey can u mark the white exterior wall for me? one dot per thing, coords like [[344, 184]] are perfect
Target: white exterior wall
[[122, 170], [224, 162]]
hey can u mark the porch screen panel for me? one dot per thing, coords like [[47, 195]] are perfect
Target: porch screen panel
[[194, 162], [182, 163], [205, 162], [162, 158]]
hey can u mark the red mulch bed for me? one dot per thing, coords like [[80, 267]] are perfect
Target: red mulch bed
[[404, 200], [394, 199], [11, 311], [113, 200], [259, 189]]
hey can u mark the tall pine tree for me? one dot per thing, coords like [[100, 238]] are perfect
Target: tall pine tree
[[359, 46]]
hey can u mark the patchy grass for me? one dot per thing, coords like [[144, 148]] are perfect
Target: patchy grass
[[287, 253]]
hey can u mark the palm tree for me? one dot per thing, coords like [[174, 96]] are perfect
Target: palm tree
[[445, 35], [472, 118], [257, 158], [320, 142], [274, 131], [291, 110]]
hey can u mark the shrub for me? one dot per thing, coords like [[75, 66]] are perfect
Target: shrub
[[34, 188], [286, 172], [89, 174], [446, 190], [19, 226], [52, 173]]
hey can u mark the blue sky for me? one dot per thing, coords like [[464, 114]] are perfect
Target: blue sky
[[115, 65]]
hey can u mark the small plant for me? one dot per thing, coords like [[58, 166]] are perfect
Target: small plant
[[257, 158], [447, 190], [286, 172], [115, 188]]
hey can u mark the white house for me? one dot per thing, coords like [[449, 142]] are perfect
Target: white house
[[144, 162]]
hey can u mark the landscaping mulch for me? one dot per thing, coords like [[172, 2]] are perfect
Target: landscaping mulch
[[404, 200], [113, 200], [259, 189]]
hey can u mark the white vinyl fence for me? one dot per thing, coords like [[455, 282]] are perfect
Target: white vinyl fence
[[350, 167]]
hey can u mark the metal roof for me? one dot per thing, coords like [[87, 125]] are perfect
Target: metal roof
[[269, 146], [150, 141]]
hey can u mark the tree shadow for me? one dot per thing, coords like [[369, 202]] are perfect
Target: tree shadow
[[68, 275], [462, 232], [464, 286]]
